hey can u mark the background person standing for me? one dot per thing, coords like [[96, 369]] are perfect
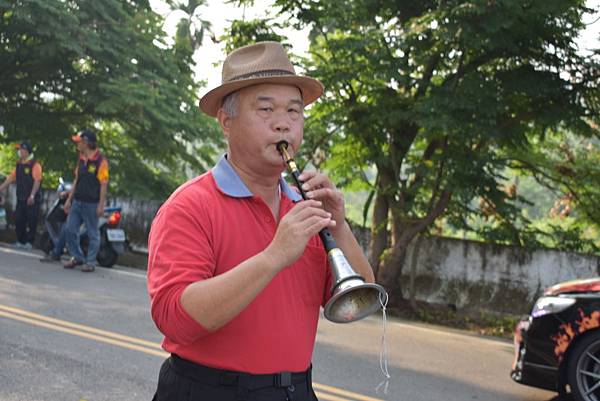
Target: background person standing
[[86, 201], [28, 177]]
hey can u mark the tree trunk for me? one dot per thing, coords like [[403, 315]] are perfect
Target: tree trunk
[[413, 273], [379, 231], [390, 270]]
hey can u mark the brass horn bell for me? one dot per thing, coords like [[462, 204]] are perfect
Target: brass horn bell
[[352, 298]]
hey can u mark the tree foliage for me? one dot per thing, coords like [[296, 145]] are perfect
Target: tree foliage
[[104, 64], [444, 97], [191, 27], [241, 33]]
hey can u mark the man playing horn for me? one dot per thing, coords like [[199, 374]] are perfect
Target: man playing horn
[[236, 271]]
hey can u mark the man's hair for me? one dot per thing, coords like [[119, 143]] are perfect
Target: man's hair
[[230, 104]]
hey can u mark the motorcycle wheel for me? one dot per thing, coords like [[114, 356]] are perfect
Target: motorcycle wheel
[[107, 257], [46, 243]]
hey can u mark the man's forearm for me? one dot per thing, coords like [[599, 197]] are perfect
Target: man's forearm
[[103, 190], [217, 300], [353, 252], [36, 188], [72, 191]]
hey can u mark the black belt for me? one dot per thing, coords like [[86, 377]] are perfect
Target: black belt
[[207, 375]]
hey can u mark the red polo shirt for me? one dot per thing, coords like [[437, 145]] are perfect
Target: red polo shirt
[[208, 226]]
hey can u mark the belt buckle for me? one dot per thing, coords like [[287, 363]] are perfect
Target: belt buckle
[[283, 379]]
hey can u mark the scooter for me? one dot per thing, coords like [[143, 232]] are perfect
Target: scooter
[[55, 217], [112, 237]]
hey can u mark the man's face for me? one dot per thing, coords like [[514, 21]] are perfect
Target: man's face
[[266, 114], [81, 146], [23, 153]]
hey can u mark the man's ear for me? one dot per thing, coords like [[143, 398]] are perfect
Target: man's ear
[[225, 122]]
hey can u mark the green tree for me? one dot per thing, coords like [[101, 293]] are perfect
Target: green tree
[[191, 28], [241, 33], [104, 64], [443, 98]]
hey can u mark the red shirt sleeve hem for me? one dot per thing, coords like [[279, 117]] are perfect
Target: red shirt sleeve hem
[[173, 320]]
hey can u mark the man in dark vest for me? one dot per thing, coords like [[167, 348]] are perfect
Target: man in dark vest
[[28, 176], [85, 203]]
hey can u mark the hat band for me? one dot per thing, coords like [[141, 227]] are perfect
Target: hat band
[[260, 74]]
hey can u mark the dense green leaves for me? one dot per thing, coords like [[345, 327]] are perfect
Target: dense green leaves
[[241, 33], [69, 64], [191, 28]]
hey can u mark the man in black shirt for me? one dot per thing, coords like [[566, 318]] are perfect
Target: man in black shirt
[[86, 200], [28, 177]]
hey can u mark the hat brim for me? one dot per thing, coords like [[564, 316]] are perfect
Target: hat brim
[[76, 138], [310, 88]]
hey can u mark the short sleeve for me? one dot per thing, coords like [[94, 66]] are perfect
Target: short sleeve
[[179, 255], [36, 172], [103, 171]]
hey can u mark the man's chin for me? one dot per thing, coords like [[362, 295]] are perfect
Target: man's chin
[[278, 165]]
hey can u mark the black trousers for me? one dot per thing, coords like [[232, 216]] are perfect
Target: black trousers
[[26, 218], [182, 380]]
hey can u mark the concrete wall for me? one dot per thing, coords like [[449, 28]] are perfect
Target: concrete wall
[[473, 275]]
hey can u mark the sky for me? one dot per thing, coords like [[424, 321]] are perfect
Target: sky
[[221, 14]]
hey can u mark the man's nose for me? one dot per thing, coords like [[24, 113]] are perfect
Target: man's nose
[[281, 123]]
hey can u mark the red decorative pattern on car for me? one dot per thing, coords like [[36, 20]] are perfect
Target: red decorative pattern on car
[[568, 331]]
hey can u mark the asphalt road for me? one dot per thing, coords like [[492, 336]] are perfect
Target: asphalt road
[[66, 335]]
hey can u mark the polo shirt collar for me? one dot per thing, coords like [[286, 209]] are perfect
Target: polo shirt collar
[[230, 183]]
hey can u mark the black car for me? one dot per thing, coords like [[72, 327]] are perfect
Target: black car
[[557, 347]]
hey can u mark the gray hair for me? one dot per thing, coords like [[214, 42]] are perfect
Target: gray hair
[[230, 104]]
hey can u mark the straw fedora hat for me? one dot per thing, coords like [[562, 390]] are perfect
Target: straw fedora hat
[[259, 63]]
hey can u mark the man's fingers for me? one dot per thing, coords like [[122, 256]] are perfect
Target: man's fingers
[[306, 175], [316, 180], [322, 193], [305, 212], [314, 224], [317, 225], [309, 203]]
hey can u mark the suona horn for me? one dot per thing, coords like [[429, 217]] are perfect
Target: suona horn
[[351, 297]]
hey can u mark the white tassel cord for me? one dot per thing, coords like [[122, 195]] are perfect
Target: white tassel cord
[[383, 355]]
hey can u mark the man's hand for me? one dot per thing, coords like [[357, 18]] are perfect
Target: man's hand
[[99, 210], [318, 186], [304, 221], [30, 200]]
